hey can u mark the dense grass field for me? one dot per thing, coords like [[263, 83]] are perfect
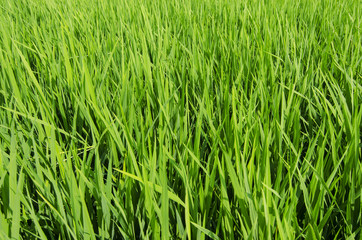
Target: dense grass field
[[180, 119]]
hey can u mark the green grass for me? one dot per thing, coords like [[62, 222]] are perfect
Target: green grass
[[180, 119]]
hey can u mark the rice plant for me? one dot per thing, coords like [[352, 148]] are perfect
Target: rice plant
[[180, 119]]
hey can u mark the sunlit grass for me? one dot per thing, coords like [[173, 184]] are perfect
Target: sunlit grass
[[180, 119]]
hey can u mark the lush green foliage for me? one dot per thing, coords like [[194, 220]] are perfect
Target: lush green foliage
[[180, 119]]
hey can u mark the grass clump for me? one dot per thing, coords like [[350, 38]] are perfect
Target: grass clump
[[180, 119]]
